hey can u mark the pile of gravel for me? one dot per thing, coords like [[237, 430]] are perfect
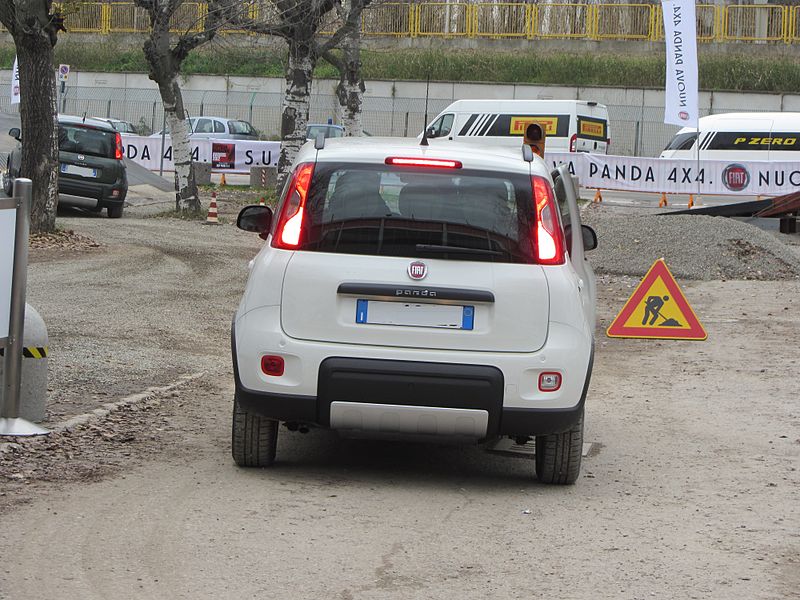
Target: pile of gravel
[[693, 246]]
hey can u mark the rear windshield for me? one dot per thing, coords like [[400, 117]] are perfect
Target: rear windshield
[[417, 213], [329, 132], [86, 140]]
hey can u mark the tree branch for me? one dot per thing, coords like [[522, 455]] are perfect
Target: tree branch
[[353, 20]]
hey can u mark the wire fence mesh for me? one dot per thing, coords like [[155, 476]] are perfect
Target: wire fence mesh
[[635, 128]]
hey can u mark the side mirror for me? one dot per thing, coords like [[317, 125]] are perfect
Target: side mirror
[[255, 218], [431, 132], [15, 133], [589, 238]]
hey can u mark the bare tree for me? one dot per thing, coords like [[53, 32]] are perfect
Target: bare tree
[[350, 89], [165, 53], [34, 26], [299, 22]]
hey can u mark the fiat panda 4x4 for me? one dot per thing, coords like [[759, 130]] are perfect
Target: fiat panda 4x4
[[420, 292]]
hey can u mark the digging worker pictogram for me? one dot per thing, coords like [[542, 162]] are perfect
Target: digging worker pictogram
[[652, 311]]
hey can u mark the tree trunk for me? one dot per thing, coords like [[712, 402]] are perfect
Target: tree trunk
[[350, 90], [186, 195], [296, 101], [38, 106]]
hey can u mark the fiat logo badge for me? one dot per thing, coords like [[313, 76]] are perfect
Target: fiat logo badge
[[417, 270], [735, 177], [81, 157]]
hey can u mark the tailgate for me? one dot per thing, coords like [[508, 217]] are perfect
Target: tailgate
[[460, 305]]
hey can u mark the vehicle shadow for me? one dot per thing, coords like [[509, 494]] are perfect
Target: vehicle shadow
[[324, 454]]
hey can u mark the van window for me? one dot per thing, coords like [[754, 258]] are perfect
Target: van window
[[443, 125], [382, 210], [219, 127], [508, 125], [204, 126], [753, 140], [682, 141]]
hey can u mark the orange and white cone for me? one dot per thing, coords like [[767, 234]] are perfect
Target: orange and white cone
[[222, 180], [691, 201], [263, 201], [212, 219], [663, 202], [598, 197]]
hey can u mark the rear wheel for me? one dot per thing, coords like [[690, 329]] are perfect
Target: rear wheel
[[254, 438], [558, 455], [115, 212]]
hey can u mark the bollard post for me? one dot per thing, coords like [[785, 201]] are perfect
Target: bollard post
[[10, 423]]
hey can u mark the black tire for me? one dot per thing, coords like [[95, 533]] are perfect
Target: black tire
[[115, 212], [558, 455], [254, 439], [8, 184]]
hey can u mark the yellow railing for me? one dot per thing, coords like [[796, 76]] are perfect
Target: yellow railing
[[493, 20]]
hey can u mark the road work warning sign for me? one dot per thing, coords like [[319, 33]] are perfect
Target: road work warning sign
[[657, 309]]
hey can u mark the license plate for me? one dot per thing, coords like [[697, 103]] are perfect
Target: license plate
[[415, 314], [76, 170]]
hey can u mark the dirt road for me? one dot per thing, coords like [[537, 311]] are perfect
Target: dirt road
[[691, 489]]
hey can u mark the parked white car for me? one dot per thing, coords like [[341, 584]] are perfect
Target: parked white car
[[418, 292], [218, 128]]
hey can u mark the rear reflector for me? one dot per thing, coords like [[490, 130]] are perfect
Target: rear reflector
[[437, 163], [273, 365], [549, 381]]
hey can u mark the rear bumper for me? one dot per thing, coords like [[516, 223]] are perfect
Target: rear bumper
[[367, 388], [103, 192]]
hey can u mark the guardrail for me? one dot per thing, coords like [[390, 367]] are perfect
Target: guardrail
[[762, 23]]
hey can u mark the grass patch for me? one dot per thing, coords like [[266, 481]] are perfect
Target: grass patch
[[732, 72]]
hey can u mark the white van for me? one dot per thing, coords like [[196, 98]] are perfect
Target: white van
[[740, 136], [571, 125]]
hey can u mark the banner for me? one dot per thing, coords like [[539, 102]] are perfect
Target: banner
[[15, 96], [225, 156], [680, 176], [680, 37]]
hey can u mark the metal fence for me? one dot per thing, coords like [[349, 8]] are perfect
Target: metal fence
[[635, 129], [494, 20]]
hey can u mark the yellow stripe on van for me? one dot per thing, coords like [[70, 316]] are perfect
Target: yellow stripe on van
[[518, 124], [592, 128]]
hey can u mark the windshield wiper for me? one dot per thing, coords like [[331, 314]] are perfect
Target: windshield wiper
[[435, 248]]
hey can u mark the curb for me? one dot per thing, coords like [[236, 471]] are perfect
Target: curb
[[99, 413]]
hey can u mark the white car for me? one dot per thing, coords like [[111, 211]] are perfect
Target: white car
[[421, 292]]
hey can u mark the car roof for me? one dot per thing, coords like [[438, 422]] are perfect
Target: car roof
[[375, 150], [90, 121], [517, 104], [749, 121]]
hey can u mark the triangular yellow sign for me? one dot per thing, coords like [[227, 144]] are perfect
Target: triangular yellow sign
[[657, 309]]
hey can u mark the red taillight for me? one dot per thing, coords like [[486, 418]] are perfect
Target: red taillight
[[272, 365], [118, 151], [573, 142], [290, 224], [548, 237], [438, 163]]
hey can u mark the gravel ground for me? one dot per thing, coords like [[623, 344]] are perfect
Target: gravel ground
[[694, 246], [690, 491]]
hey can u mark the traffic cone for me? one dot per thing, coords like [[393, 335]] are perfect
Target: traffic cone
[[222, 180], [262, 202], [598, 197], [212, 219], [691, 200], [663, 202]]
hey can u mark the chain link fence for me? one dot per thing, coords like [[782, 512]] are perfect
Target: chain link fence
[[636, 129]]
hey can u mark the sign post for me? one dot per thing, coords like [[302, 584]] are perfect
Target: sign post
[[63, 75], [10, 423]]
